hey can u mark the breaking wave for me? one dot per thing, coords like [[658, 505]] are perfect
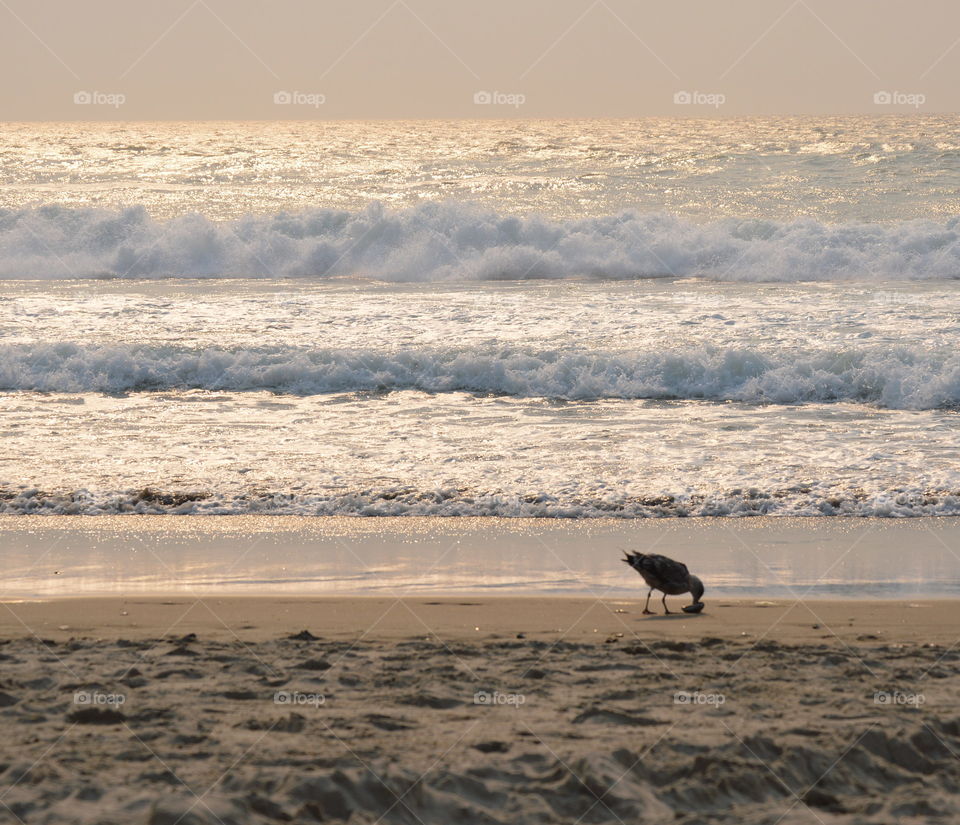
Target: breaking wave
[[452, 241], [893, 377]]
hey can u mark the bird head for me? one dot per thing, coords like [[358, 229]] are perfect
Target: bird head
[[696, 588]]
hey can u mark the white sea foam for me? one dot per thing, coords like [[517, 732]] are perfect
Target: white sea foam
[[896, 377], [410, 501], [451, 241]]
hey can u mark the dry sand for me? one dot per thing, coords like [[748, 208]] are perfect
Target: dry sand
[[479, 710]]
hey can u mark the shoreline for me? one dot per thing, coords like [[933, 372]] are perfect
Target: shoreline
[[286, 556]]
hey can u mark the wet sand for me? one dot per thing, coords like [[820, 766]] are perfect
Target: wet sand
[[63, 556], [480, 618], [487, 710]]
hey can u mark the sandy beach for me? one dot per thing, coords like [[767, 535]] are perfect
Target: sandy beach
[[488, 710]]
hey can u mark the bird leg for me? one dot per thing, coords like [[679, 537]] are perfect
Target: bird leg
[[666, 612], [646, 608]]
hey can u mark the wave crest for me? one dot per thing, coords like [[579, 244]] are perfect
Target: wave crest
[[893, 377], [452, 241]]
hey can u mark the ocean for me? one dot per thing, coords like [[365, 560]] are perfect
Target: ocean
[[561, 319]]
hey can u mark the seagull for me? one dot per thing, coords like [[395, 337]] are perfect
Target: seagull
[[672, 577]]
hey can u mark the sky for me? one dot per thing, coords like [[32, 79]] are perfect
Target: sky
[[333, 59]]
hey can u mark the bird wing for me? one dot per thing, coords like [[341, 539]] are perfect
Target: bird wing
[[654, 567]]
